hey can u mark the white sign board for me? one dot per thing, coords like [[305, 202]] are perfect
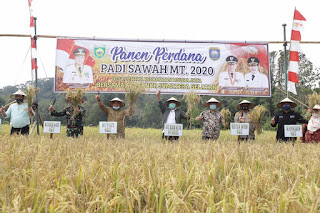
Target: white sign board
[[292, 131], [173, 129], [107, 127], [239, 128], [51, 126]]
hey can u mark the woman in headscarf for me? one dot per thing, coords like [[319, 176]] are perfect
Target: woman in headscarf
[[313, 128]]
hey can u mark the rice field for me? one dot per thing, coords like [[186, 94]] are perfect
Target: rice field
[[142, 173]]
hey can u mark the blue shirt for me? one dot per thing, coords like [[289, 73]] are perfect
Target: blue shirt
[[18, 115]]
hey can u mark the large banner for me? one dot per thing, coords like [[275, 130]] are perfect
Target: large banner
[[207, 68]]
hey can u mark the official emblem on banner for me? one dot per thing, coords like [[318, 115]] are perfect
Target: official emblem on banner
[[214, 53], [99, 51]]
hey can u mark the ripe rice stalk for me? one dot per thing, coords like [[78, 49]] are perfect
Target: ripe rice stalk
[[31, 91], [75, 98], [226, 115], [258, 115], [133, 91], [313, 100], [192, 99]]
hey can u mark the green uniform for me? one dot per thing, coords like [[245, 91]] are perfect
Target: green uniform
[[74, 122]]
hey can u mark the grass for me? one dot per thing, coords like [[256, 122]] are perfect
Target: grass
[[142, 173]]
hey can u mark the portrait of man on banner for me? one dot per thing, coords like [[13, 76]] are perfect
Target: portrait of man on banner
[[231, 78], [255, 79], [78, 72]]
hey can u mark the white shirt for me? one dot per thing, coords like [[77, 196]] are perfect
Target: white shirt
[[171, 117], [72, 74], [258, 80], [18, 114], [236, 81]]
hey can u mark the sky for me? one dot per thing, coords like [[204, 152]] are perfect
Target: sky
[[209, 20]]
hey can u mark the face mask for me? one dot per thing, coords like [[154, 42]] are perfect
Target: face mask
[[213, 106], [286, 107], [245, 107], [115, 108], [172, 105], [19, 100]]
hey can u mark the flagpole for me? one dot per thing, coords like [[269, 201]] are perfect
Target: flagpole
[[285, 57], [36, 72]]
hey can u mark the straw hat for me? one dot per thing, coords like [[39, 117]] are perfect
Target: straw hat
[[213, 100], [316, 107], [19, 92], [245, 102], [116, 99], [286, 100], [172, 99]]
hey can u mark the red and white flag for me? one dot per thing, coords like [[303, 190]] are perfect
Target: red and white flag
[[32, 34], [293, 68]]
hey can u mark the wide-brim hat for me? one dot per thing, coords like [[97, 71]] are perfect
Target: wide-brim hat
[[245, 102], [172, 99], [286, 100], [213, 100], [116, 99], [316, 107], [19, 92]]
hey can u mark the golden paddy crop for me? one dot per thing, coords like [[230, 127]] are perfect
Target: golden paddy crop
[[142, 173]]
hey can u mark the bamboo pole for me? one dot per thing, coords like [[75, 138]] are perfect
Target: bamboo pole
[[33, 127], [293, 98], [7, 105], [57, 36]]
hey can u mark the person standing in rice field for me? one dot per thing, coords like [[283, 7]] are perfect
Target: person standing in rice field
[[211, 120], [74, 116], [171, 114], [286, 117], [115, 112], [313, 126], [245, 115], [19, 114]]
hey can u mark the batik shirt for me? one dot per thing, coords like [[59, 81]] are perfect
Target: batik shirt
[[211, 124], [74, 121]]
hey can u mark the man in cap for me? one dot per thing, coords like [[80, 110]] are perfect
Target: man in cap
[[255, 78], [245, 115], [286, 117], [19, 114], [74, 116], [115, 112], [211, 120], [78, 73], [171, 114], [231, 78]]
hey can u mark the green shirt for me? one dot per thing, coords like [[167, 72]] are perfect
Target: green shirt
[[18, 115]]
